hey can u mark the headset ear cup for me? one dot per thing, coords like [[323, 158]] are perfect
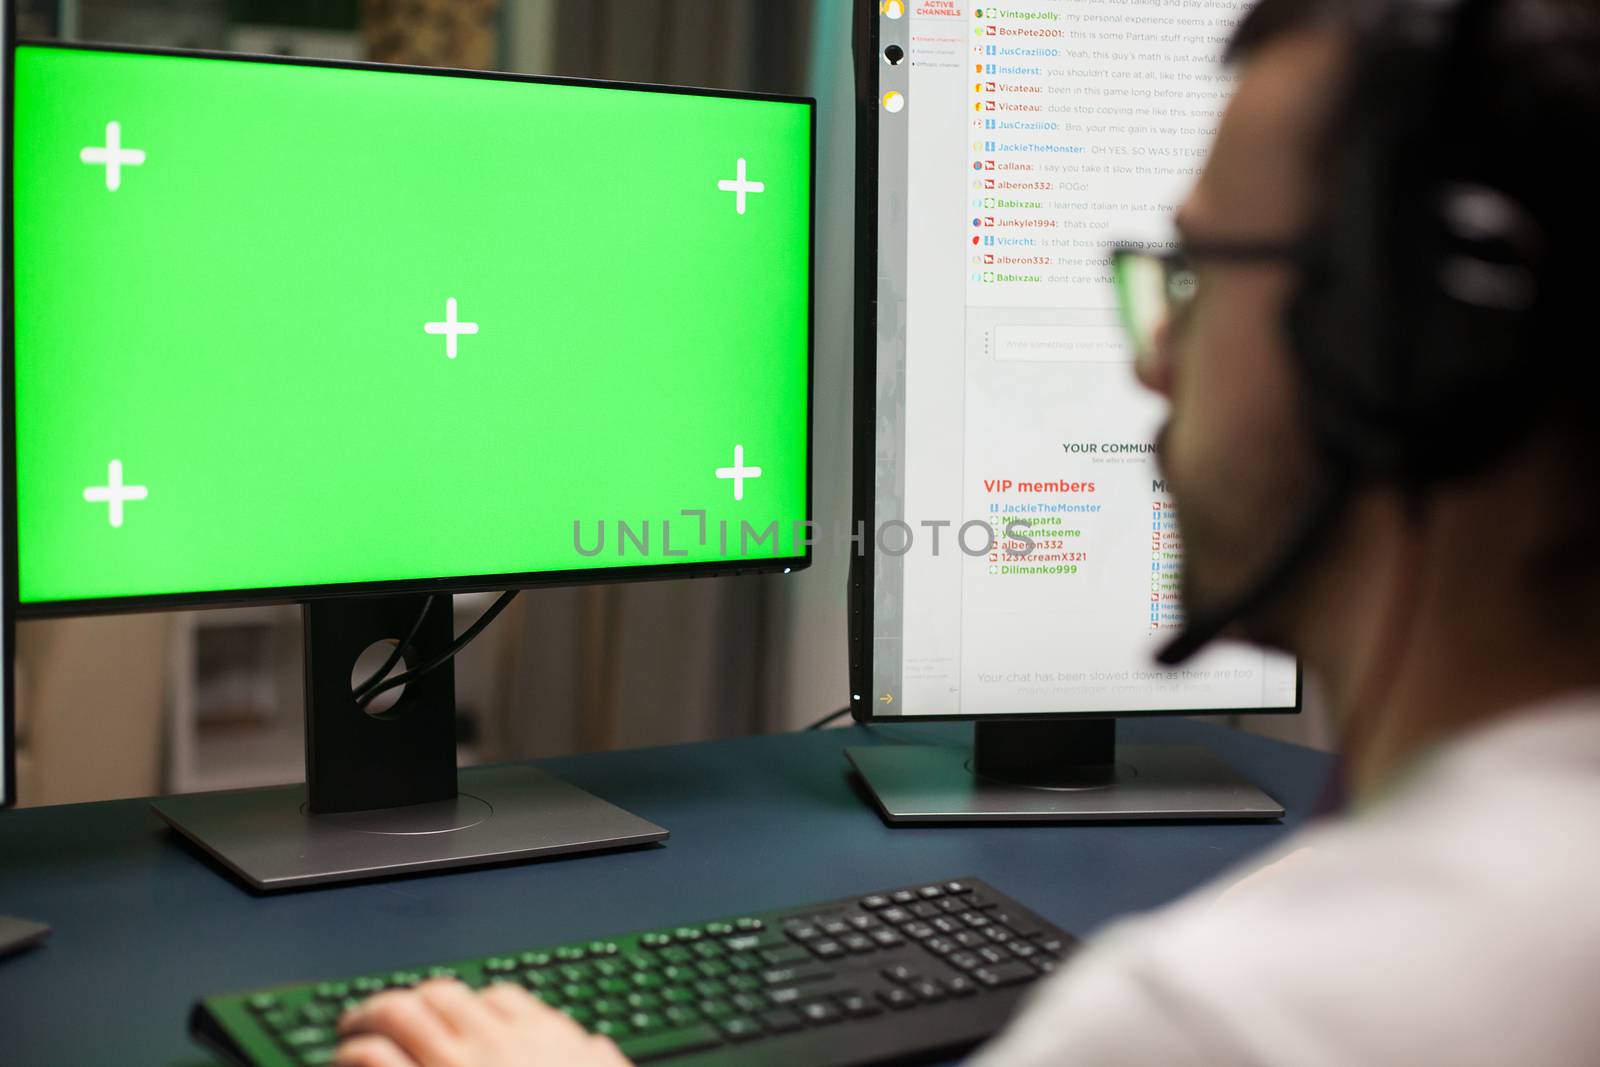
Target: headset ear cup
[[1335, 327]]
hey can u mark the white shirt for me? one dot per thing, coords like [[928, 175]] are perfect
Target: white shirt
[[1456, 922]]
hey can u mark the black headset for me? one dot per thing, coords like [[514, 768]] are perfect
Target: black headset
[[1419, 288]]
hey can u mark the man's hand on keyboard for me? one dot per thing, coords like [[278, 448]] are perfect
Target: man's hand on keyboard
[[442, 1023]]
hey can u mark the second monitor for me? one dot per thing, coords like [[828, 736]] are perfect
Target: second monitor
[[1026, 553]]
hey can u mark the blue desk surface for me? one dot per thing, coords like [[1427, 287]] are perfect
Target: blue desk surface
[[143, 925]]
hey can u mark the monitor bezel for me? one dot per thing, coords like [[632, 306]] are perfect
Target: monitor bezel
[[864, 53], [439, 584]]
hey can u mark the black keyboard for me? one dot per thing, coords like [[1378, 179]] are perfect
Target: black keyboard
[[925, 970]]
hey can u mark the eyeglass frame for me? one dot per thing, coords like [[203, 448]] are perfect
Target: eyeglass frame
[[1192, 252]]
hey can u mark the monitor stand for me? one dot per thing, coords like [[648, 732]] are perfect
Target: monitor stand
[[382, 794], [1056, 771]]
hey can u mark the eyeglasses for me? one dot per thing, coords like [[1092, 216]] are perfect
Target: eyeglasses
[[1156, 288]]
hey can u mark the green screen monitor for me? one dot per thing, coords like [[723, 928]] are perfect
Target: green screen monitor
[[308, 331]]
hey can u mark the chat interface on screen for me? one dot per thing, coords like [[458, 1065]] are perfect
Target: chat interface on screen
[[288, 325], [1028, 553]]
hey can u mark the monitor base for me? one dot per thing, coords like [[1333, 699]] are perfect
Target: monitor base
[[265, 838], [18, 934], [936, 784]]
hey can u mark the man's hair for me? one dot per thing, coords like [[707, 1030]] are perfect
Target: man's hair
[[1533, 105]]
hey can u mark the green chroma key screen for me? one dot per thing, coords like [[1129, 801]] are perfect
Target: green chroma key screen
[[285, 325]]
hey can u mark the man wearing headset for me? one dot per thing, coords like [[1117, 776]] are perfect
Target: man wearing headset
[[1379, 351]]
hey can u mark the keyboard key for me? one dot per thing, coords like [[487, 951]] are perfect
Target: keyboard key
[[615, 1029], [952, 905], [974, 919], [1017, 924], [858, 943], [923, 910], [743, 943], [1022, 950], [602, 948], [965, 960], [887, 938], [642, 1048], [1005, 974], [786, 954], [993, 955], [716, 1008], [920, 931], [742, 1028], [280, 1020], [534, 959], [957, 888], [784, 995], [679, 995], [897, 998], [656, 940], [820, 1012], [978, 900], [750, 1002], [863, 922], [335, 990], [895, 915], [688, 933], [609, 1007], [317, 1057], [309, 1037], [570, 953], [876, 902], [315, 1014], [719, 929], [712, 988], [748, 925], [799, 973], [643, 1001], [857, 1006], [960, 986], [900, 974], [645, 1021], [781, 1020], [610, 968], [903, 896], [927, 990], [836, 928], [929, 892], [827, 949], [804, 932]]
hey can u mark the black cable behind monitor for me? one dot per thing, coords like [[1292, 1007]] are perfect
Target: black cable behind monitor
[[369, 691]]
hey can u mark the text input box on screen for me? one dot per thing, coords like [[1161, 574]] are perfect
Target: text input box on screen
[[1096, 340]]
